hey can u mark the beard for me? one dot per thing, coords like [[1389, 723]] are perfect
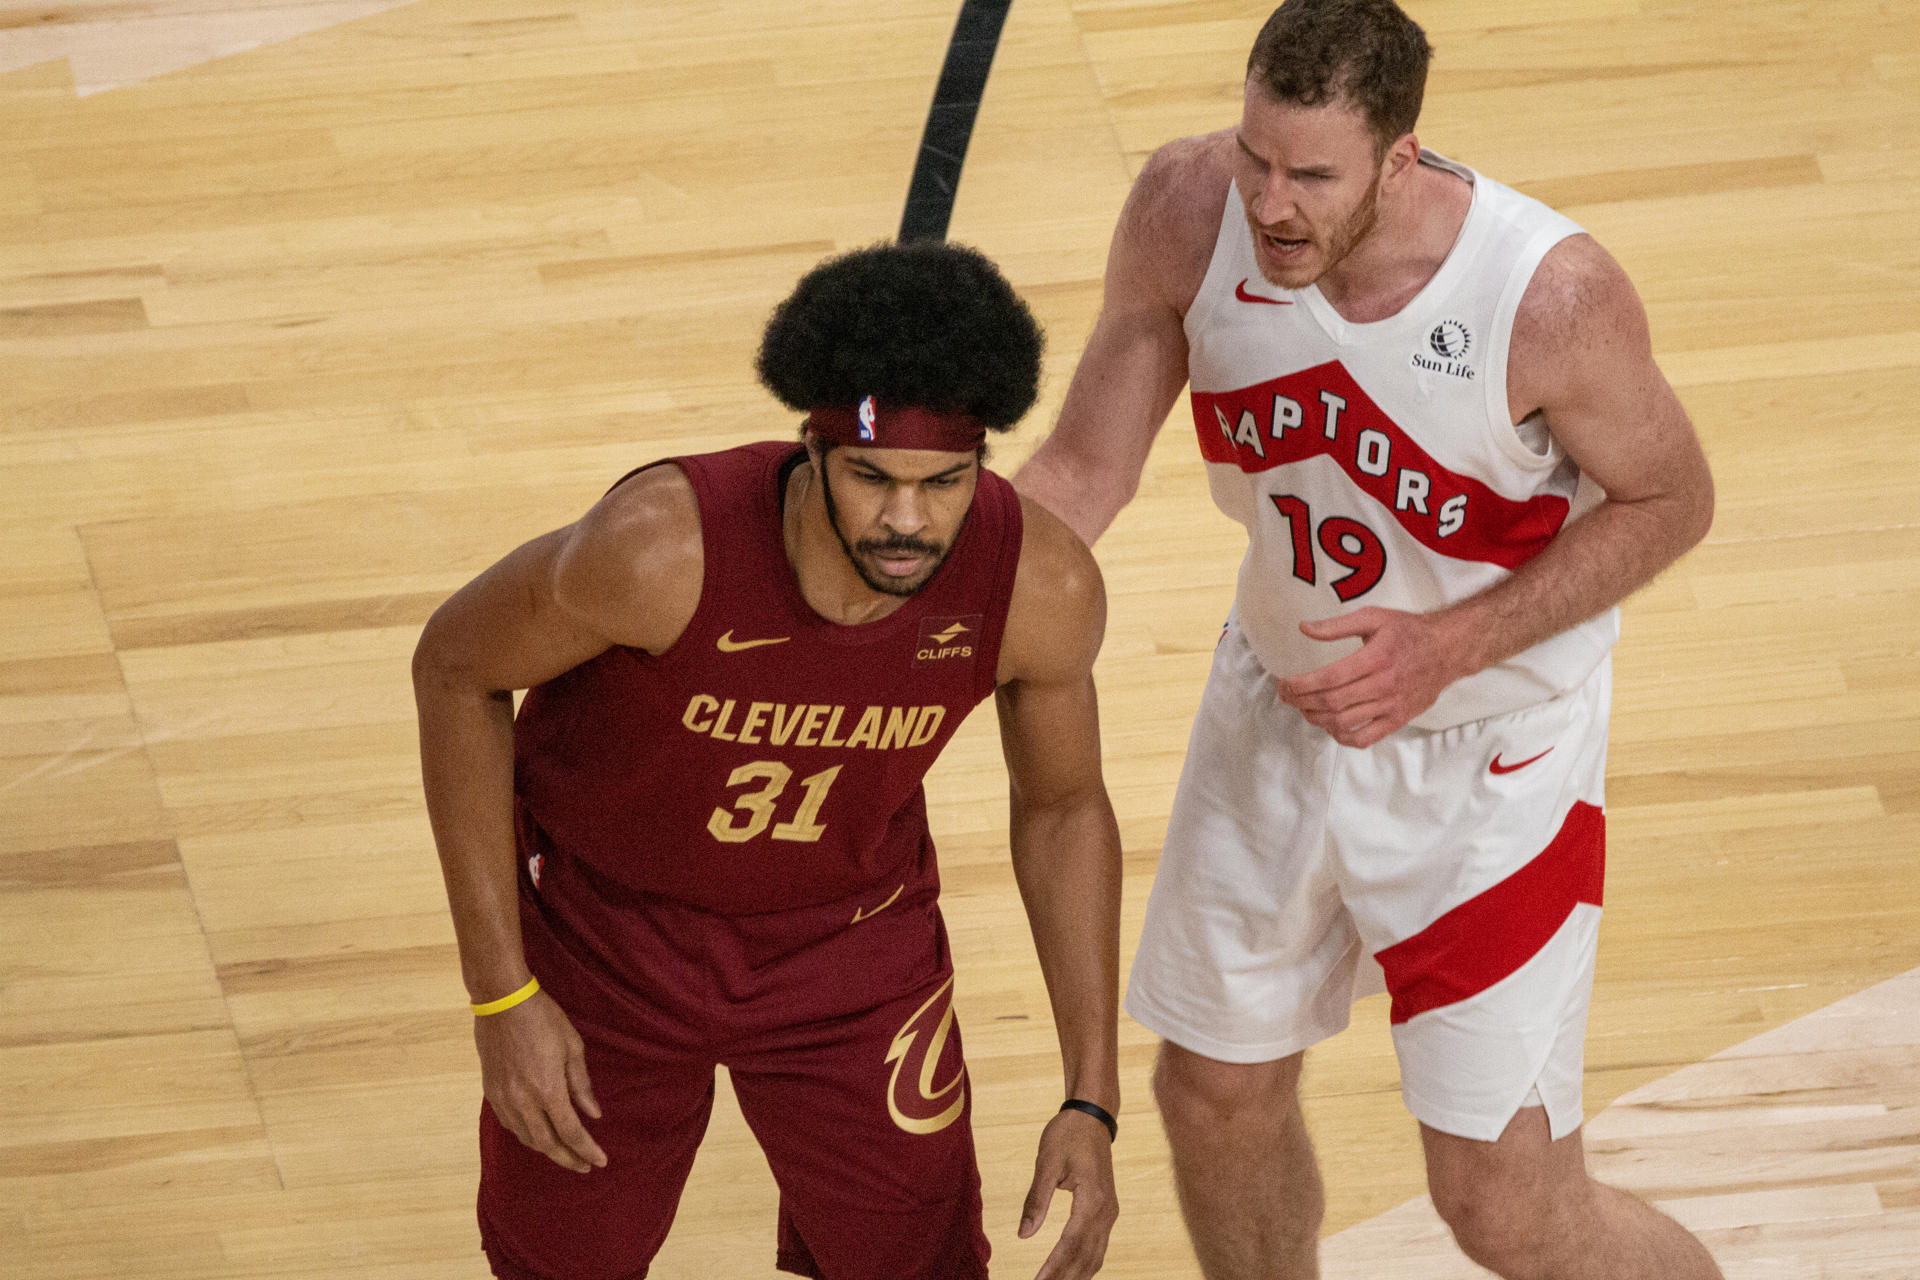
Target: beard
[[1356, 227], [1339, 243], [899, 542]]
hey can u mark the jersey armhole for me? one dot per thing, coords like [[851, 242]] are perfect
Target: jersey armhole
[[1219, 265], [706, 553], [1000, 600], [1501, 426]]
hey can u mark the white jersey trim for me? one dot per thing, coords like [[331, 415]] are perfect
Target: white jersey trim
[[1506, 432]]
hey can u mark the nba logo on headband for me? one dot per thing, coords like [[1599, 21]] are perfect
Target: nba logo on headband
[[908, 427]]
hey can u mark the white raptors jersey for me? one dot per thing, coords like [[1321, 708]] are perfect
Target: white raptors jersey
[[1378, 464]]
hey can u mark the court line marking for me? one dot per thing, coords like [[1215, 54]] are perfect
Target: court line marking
[[115, 53], [956, 102], [1678, 1125]]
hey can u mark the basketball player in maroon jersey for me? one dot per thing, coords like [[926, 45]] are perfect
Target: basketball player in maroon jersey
[[1432, 403], [704, 839]]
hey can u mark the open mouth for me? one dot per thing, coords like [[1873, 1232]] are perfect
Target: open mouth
[[1282, 246]]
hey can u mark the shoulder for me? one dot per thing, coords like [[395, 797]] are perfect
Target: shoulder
[[1580, 318], [1058, 612], [1172, 215], [634, 564], [1181, 190], [1578, 294]]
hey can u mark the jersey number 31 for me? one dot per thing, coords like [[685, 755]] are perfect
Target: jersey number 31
[[757, 806]]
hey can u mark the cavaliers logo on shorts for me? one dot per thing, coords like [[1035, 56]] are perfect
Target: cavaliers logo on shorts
[[915, 1100]]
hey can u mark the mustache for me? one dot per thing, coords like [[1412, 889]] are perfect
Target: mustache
[[898, 543]]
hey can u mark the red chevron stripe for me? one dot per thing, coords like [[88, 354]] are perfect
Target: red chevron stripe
[[1488, 937], [1498, 530]]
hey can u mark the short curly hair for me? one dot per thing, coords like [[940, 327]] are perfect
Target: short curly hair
[[1368, 53], [926, 324]]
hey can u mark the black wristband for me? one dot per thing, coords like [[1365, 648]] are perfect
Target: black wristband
[[1097, 1111]]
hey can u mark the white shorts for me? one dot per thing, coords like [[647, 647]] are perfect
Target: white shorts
[[1460, 869]]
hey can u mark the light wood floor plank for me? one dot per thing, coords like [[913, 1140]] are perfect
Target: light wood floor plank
[[294, 341]]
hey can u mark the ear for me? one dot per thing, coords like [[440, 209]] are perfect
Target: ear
[[1403, 154]]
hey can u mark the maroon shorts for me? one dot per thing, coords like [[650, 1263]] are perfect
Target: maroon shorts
[[840, 1041]]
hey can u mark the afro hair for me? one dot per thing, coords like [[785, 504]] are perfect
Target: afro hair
[[925, 324]]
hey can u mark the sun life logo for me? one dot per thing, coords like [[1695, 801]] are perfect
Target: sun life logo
[[1450, 339]]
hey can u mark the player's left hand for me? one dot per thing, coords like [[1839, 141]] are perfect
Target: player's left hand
[[1403, 662], [1076, 1155]]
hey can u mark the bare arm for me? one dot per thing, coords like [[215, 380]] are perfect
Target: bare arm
[[1066, 858], [1582, 355], [1136, 361], [616, 577], [503, 631]]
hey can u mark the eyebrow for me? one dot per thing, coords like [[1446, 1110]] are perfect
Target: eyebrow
[[864, 465], [1313, 170]]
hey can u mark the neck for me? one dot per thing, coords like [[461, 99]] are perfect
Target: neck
[[830, 585], [1419, 221]]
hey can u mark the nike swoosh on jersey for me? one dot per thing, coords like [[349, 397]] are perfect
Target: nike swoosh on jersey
[[861, 913], [727, 644], [1240, 292], [1497, 767]]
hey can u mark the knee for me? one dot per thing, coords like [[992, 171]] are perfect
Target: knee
[[1505, 1230], [1196, 1093]]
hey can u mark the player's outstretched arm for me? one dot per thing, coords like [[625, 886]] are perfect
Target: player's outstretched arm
[[1581, 355], [618, 576], [1136, 361], [1066, 858]]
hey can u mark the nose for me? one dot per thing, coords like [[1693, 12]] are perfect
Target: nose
[[1274, 203], [905, 510]]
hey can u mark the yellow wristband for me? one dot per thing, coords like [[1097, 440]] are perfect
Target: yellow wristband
[[507, 1002]]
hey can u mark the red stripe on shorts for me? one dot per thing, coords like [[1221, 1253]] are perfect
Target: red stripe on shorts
[[1488, 937]]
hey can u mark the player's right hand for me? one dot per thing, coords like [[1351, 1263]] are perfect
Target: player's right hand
[[1076, 1155], [533, 1069]]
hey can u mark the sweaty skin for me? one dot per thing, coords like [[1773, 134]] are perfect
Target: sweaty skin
[[629, 572]]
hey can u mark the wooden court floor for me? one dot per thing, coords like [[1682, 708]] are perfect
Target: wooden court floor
[[310, 309]]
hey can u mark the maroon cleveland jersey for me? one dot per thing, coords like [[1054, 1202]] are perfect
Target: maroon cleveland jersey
[[770, 759]]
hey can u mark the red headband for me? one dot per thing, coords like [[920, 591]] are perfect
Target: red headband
[[879, 426]]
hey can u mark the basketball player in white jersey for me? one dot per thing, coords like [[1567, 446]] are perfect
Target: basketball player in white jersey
[[1433, 404]]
